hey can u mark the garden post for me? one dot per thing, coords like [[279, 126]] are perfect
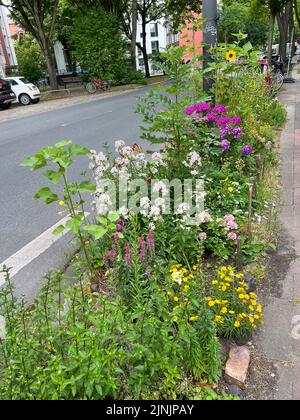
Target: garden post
[[210, 37]]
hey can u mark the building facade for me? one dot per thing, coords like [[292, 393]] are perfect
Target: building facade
[[8, 59], [160, 36]]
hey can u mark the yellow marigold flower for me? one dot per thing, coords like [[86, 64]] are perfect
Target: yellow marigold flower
[[251, 308], [237, 324], [224, 310], [219, 319], [194, 318], [251, 319], [231, 312], [211, 303], [242, 296], [231, 55], [175, 318], [61, 203], [239, 290], [186, 288], [185, 279], [228, 279], [214, 282], [244, 315], [256, 317], [253, 302], [218, 302], [169, 294], [224, 288], [195, 267], [247, 297], [259, 309], [176, 298], [239, 276], [224, 302], [253, 295], [230, 189], [224, 269]]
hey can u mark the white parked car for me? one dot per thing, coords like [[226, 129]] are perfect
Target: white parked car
[[26, 92]]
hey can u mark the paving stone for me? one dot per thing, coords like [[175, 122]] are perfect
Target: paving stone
[[237, 366]]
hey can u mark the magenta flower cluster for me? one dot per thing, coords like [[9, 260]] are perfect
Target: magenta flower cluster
[[229, 127]]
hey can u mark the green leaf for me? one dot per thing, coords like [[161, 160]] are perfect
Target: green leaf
[[87, 186], [102, 220], [64, 162], [29, 162], [77, 150], [53, 176], [74, 224], [47, 195], [62, 144], [58, 230], [97, 231], [114, 216]]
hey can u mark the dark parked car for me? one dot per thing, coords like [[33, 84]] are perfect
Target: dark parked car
[[6, 95]]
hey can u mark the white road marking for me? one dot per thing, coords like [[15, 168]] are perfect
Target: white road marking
[[33, 250]]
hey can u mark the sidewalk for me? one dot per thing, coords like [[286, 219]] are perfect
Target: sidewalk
[[280, 337]]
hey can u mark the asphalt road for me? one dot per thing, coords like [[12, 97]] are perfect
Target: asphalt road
[[90, 124]]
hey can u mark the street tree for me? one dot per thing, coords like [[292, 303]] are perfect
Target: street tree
[[38, 18]]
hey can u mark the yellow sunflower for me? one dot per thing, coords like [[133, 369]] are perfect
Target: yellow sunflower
[[231, 55]]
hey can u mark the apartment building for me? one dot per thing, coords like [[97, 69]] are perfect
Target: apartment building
[[160, 36], [8, 59]]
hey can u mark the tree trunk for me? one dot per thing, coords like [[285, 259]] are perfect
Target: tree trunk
[[51, 66], [271, 37], [144, 49], [134, 33], [284, 23], [297, 13]]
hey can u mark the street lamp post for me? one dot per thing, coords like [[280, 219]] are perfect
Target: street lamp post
[[210, 14]]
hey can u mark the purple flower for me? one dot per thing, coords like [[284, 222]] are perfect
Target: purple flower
[[117, 237], [225, 145], [149, 273], [203, 236], [223, 121], [143, 250], [120, 226], [236, 120], [112, 255], [128, 259], [151, 244], [247, 150], [237, 132], [232, 236], [210, 117], [202, 107], [220, 109], [190, 110], [224, 131]]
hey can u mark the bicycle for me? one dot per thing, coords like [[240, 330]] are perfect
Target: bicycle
[[97, 84], [275, 81]]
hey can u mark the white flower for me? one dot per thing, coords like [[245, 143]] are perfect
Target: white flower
[[157, 158], [119, 145], [204, 217], [145, 206], [183, 208], [124, 212], [103, 202], [160, 186]]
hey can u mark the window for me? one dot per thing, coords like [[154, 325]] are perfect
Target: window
[[141, 63], [155, 46], [154, 30], [25, 81], [12, 82]]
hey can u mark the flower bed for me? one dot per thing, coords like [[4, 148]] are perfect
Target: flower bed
[[161, 276]]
